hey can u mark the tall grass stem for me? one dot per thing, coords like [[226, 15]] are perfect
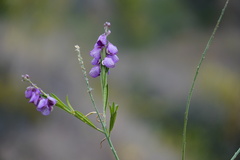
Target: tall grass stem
[[236, 154], [194, 81]]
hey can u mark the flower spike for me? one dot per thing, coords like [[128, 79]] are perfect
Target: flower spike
[[103, 53], [43, 102]]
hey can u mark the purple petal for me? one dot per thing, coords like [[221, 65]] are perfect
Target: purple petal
[[45, 110], [111, 49], [43, 107], [51, 101], [42, 102], [95, 71], [108, 62], [96, 52], [28, 92], [114, 58], [102, 40], [35, 96], [95, 61]]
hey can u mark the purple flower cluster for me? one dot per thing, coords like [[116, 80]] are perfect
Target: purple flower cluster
[[44, 105], [110, 58]]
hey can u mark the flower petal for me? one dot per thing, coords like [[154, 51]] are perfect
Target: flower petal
[[108, 62], [96, 52], [95, 61], [95, 71], [51, 101], [45, 110], [114, 58], [35, 96], [29, 91], [42, 102], [111, 49], [102, 40]]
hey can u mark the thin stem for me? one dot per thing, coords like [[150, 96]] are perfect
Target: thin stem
[[194, 80], [104, 86], [80, 59], [236, 153]]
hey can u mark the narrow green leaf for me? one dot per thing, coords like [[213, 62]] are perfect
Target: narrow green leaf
[[58, 99], [68, 103], [113, 116], [112, 108], [60, 104], [84, 119], [105, 97], [68, 108]]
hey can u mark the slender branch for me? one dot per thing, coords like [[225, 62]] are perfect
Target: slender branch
[[80, 59], [236, 153], [194, 80], [104, 87]]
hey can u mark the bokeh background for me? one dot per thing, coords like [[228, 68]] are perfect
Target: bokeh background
[[160, 43]]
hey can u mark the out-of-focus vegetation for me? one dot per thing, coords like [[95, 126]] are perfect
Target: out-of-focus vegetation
[[159, 43]]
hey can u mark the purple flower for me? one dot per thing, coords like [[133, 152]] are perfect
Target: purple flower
[[108, 62], [114, 58], [95, 61], [51, 101], [43, 108], [28, 92], [96, 52], [102, 40], [44, 105], [111, 49], [95, 71], [35, 96], [106, 49]]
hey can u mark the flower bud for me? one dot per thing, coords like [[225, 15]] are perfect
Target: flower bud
[[111, 49], [102, 40], [108, 62], [96, 53], [95, 71]]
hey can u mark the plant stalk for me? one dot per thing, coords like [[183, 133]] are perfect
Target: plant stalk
[[194, 81], [236, 153], [102, 121]]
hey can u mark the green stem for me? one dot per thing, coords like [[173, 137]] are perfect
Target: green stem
[[194, 80], [102, 121], [236, 153], [111, 145], [104, 85], [76, 114]]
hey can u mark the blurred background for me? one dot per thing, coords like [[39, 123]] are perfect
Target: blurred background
[[160, 43]]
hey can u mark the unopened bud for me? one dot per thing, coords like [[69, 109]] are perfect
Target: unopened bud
[[25, 77]]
